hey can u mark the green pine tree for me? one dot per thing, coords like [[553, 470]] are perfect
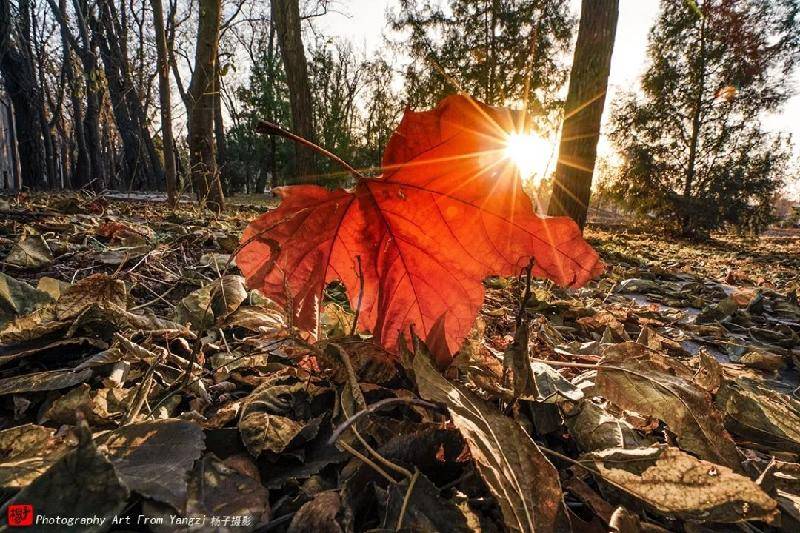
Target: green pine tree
[[505, 52], [695, 154], [259, 160]]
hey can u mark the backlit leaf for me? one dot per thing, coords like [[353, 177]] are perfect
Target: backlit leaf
[[448, 211]]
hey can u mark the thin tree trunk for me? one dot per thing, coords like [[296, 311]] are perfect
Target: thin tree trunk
[[16, 174], [584, 109], [697, 112], [202, 153], [272, 164], [46, 103], [82, 172], [19, 76], [92, 128], [286, 14], [219, 131], [165, 100], [170, 32]]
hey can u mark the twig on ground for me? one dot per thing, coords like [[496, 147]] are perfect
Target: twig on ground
[[406, 499], [366, 460], [358, 398], [377, 406], [156, 299]]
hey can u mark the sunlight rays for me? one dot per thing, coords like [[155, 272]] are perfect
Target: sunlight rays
[[532, 155]]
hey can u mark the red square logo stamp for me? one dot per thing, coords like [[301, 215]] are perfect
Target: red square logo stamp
[[20, 515]]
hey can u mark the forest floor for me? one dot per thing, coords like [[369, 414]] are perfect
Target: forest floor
[[140, 379]]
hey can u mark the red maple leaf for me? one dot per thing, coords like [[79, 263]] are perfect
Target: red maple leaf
[[448, 211]]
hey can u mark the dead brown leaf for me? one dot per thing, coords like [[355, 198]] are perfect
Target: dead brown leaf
[[524, 482], [641, 380], [679, 485]]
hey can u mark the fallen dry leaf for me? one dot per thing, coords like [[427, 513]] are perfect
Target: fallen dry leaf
[[43, 381], [641, 380], [212, 303], [761, 415], [781, 480], [18, 298], [318, 515], [30, 252], [679, 485], [422, 510], [593, 428], [154, 458], [215, 489], [82, 483], [26, 452], [524, 482], [277, 415]]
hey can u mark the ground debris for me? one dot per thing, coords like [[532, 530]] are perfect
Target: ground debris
[[140, 377]]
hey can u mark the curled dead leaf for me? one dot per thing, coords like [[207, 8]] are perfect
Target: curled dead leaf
[[781, 480], [638, 379], [679, 485], [278, 415], [524, 482], [212, 303], [18, 298], [767, 418]]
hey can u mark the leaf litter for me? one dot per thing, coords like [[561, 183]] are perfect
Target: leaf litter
[[660, 396]]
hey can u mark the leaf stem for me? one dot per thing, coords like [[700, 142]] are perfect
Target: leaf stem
[[270, 128], [354, 329]]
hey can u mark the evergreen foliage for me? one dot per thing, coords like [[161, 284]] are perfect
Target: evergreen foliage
[[696, 156]]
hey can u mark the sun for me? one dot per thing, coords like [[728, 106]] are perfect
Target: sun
[[531, 153]]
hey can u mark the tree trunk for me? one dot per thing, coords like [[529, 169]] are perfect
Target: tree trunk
[[37, 55], [286, 14], [697, 114], [202, 153], [94, 100], [219, 131], [141, 161], [584, 109], [132, 173], [85, 49], [166, 104], [82, 169], [19, 76]]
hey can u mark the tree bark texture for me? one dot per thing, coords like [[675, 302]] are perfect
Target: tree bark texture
[[202, 150], [584, 110], [165, 101], [19, 76], [82, 169], [141, 160], [219, 129], [286, 14], [85, 47]]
